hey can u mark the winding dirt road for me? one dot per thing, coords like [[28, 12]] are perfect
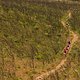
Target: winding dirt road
[[74, 39]]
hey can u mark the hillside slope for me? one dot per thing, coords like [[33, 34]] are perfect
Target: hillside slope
[[32, 38]]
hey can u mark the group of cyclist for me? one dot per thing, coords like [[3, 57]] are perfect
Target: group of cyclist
[[66, 49]]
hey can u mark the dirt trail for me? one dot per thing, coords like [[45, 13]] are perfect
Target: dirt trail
[[75, 37]]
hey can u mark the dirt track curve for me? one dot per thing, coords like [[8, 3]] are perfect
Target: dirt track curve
[[75, 37]]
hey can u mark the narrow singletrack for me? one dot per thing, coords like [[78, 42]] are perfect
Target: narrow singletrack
[[75, 38]]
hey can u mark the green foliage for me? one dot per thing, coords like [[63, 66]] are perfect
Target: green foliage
[[33, 30], [75, 21]]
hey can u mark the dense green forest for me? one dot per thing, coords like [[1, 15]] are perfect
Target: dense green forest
[[32, 39]]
